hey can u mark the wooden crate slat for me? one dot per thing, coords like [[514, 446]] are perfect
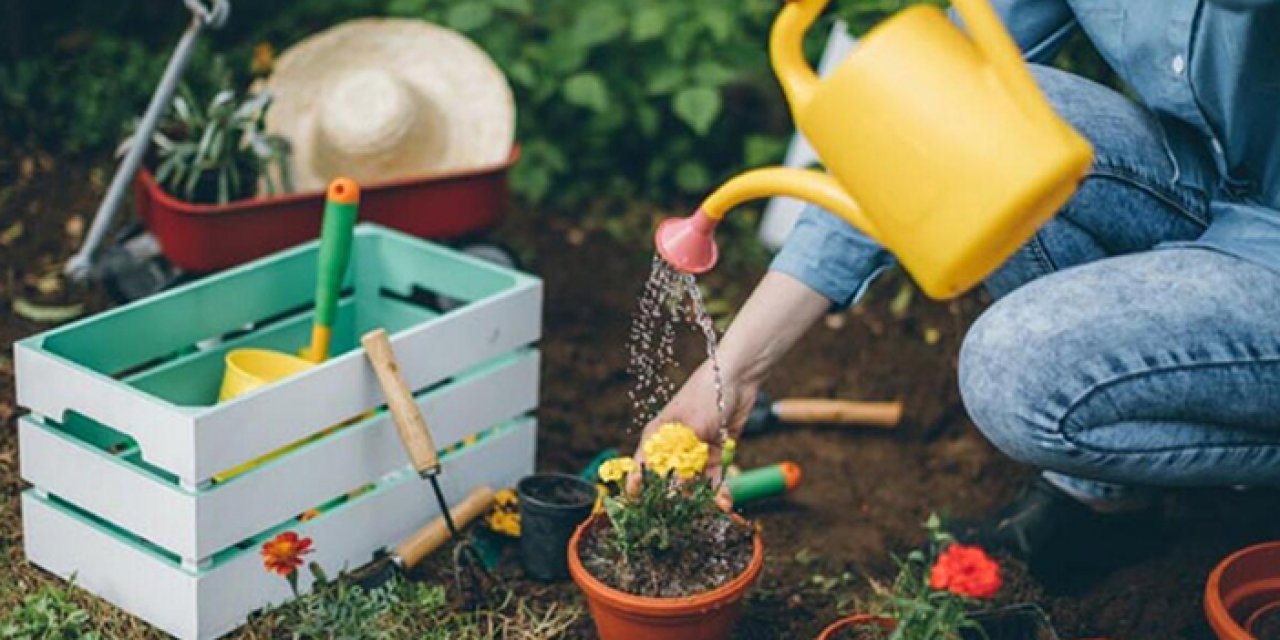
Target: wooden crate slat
[[232, 432], [197, 524], [208, 603]]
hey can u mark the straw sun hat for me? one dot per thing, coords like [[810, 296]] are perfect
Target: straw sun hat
[[378, 99]]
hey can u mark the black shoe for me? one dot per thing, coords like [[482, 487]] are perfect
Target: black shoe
[[1065, 544]]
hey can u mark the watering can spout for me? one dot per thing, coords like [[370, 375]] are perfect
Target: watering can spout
[[786, 50], [688, 244]]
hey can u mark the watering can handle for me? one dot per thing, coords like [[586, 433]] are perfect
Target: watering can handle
[[786, 49], [1001, 52], [799, 80], [412, 427]]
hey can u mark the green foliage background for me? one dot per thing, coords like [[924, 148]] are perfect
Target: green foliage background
[[655, 100]]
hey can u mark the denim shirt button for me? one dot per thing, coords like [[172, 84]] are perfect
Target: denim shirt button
[[1179, 64]]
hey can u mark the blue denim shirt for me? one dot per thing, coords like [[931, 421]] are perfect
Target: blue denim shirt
[[1208, 70]]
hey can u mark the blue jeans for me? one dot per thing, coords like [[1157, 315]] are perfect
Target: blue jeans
[[1119, 356]]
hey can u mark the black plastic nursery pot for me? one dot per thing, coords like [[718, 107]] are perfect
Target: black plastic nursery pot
[[552, 505]]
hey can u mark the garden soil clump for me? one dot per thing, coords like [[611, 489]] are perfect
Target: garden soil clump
[[718, 552]]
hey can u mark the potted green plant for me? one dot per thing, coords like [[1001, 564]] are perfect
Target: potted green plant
[[664, 562], [938, 594], [214, 152]]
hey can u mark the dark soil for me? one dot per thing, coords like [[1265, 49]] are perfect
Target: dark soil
[[718, 551], [1268, 627], [865, 492]]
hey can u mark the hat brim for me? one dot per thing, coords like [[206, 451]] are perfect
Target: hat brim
[[466, 90]]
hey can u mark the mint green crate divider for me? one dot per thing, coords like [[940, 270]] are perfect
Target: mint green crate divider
[[124, 433]]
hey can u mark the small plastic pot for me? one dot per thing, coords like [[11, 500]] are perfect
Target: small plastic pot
[[623, 616], [854, 621], [552, 505], [1242, 590], [1017, 622]]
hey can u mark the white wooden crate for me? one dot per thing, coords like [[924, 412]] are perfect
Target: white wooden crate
[[125, 435]]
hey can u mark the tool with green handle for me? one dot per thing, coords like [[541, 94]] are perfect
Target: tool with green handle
[[248, 369], [341, 206]]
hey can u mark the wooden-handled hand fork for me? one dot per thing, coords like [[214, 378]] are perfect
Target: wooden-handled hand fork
[[416, 437]]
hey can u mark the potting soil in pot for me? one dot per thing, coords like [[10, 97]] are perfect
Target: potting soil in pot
[[718, 551]]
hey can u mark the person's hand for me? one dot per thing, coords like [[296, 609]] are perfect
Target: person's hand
[[695, 405], [778, 312]]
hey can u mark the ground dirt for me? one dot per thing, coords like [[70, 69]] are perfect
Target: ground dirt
[[865, 492]]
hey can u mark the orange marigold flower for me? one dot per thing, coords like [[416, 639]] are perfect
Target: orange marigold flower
[[283, 553], [965, 571]]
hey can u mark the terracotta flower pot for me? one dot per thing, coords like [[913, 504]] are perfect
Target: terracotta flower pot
[[623, 616], [1243, 589], [1017, 622], [854, 621]]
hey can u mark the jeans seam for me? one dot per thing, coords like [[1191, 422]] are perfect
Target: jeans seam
[[1143, 182], [1041, 255], [1067, 436]]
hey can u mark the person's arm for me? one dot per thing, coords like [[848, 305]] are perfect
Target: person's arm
[[772, 320], [824, 264]]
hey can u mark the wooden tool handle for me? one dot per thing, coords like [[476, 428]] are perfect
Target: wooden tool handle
[[821, 411], [430, 537], [410, 424]]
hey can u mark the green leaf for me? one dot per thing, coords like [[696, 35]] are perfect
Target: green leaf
[[666, 80], [713, 74], [719, 22], [522, 73], [692, 177], [648, 23], [697, 107], [518, 7], [760, 149], [46, 313], [407, 8], [648, 119], [469, 16], [598, 23], [587, 90]]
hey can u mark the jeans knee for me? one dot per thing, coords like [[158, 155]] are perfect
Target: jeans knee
[[1005, 381]]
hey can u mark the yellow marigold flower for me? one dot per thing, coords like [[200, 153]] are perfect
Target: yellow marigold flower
[[616, 469], [675, 448], [505, 516]]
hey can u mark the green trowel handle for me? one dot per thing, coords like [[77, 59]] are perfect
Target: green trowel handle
[[340, 211]]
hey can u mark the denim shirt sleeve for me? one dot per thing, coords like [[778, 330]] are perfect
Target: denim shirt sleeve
[[831, 257]]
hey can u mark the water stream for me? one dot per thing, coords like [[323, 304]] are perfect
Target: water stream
[[669, 299]]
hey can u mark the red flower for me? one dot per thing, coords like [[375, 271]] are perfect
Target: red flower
[[283, 554], [965, 571]]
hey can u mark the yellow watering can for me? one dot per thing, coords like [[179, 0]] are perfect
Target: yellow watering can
[[937, 145]]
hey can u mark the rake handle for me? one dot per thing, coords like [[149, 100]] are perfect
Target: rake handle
[[405, 413], [432, 536]]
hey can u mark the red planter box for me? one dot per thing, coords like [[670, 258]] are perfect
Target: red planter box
[[200, 238]]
